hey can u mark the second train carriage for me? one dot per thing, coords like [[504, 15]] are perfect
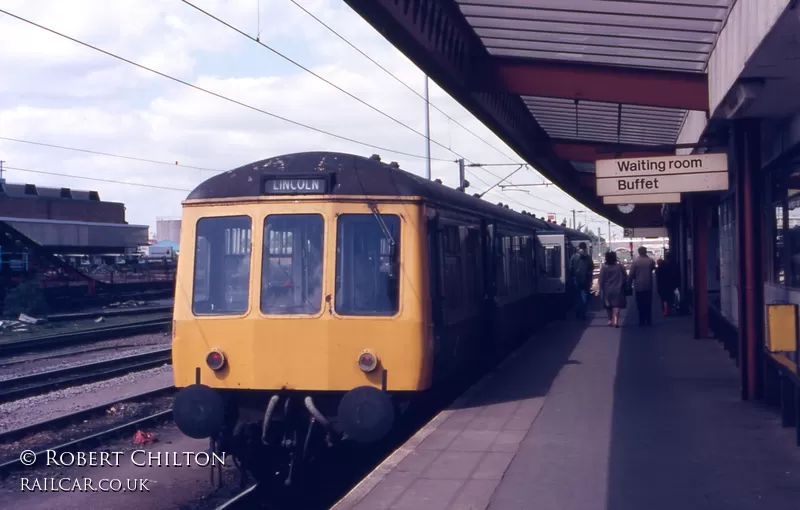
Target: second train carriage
[[336, 287]]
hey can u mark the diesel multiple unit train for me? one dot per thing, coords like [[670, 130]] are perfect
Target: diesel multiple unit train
[[319, 294]]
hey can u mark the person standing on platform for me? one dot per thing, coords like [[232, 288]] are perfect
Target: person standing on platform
[[581, 269], [642, 279], [666, 283], [611, 285]]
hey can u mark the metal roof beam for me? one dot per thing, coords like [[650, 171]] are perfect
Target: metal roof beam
[[589, 152], [649, 87]]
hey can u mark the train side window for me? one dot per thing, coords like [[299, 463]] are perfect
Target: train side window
[[453, 276], [364, 283], [525, 263], [540, 257], [291, 276], [472, 266], [503, 254], [222, 266], [553, 261]]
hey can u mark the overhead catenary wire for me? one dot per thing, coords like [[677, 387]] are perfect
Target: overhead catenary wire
[[505, 197], [401, 82], [561, 209], [215, 94], [168, 188], [166, 163], [111, 181], [377, 64], [99, 153], [320, 77], [223, 97]]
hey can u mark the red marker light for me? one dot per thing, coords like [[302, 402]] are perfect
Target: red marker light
[[367, 362], [215, 360]]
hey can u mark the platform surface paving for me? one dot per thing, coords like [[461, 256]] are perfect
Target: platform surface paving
[[587, 417]]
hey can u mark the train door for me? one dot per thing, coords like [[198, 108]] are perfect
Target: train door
[[437, 297], [552, 278]]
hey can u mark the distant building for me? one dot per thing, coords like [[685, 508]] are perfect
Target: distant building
[[168, 229], [67, 221], [163, 249]]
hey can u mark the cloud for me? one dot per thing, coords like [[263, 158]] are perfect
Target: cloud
[[62, 93]]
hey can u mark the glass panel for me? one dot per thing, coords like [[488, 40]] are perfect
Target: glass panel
[[472, 242], [779, 271], [679, 9], [222, 266], [528, 27], [601, 59], [584, 48], [590, 14], [363, 285], [453, 276], [291, 277], [592, 40], [792, 239], [553, 261]]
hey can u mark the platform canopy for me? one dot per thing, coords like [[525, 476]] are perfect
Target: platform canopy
[[566, 82]]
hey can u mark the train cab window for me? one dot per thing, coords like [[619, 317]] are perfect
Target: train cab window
[[222, 266], [291, 275], [366, 281], [552, 261]]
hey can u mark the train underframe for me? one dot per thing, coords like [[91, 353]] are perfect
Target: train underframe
[[276, 436]]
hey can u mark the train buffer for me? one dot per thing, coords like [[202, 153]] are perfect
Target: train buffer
[[587, 417]]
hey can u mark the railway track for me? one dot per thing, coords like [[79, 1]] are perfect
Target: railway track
[[43, 382], [82, 443], [112, 312], [86, 335], [245, 499], [61, 422]]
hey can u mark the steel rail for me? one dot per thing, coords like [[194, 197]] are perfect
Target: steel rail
[[244, 498], [113, 312], [85, 335], [42, 382], [82, 443], [9, 436]]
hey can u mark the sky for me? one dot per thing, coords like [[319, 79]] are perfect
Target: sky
[[58, 92]]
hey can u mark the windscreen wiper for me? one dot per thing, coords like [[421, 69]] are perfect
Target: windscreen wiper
[[384, 228]]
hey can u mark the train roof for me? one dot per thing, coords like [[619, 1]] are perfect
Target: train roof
[[350, 175], [576, 234]]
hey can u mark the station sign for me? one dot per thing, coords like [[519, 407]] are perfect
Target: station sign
[[663, 174], [661, 165], [656, 198], [645, 232], [647, 185], [305, 186]]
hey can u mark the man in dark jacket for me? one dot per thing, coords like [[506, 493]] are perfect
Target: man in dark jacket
[[641, 276], [581, 270]]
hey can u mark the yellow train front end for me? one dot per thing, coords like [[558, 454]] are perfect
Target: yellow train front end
[[293, 292], [299, 314]]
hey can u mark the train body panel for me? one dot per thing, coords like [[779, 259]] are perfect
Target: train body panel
[[268, 349], [328, 290]]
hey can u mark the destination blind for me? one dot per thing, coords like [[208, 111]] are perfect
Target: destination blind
[[306, 186]]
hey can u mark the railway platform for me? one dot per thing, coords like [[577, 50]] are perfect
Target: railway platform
[[588, 417]]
